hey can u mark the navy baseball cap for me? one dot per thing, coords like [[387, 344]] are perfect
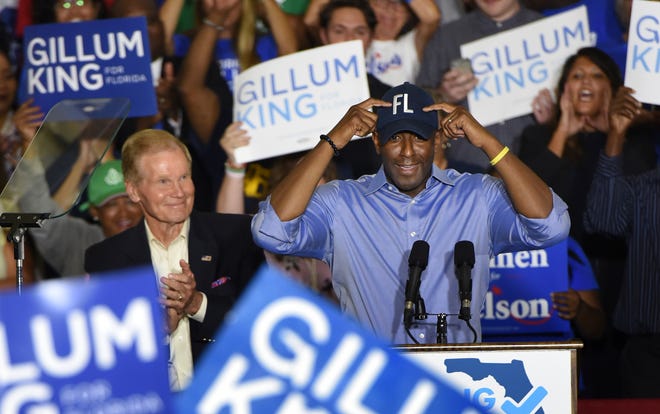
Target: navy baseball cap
[[406, 113]]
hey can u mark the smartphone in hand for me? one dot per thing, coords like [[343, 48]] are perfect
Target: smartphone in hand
[[462, 64]]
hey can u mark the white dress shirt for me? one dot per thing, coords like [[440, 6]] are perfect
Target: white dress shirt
[[165, 260]]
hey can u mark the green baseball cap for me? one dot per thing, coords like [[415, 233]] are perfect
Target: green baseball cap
[[106, 182]]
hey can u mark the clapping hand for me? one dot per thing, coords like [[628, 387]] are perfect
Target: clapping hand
[[179, 290]]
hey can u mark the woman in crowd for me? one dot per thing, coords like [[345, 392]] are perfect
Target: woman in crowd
[[230, 35], [564, 153], [65, 11], [402, 32], [247, 32]]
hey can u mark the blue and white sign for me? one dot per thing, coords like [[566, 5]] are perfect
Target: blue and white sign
[[643, 59], [522, 381], [513, 66], [77, 346], [286, 103], [287, 350], [518, 300], [105, 58]]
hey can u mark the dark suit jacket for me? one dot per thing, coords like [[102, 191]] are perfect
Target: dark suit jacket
[[222, 257]]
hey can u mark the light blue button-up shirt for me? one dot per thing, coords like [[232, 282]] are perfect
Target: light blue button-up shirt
[[364, 229]]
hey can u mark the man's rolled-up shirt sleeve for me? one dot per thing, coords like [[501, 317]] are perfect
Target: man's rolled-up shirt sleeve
[[547, 231], [305, 235], [512, 231]]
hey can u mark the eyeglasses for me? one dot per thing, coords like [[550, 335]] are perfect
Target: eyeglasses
[[69, 4]]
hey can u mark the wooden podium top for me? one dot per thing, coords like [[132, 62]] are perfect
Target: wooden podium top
[[494, 346]]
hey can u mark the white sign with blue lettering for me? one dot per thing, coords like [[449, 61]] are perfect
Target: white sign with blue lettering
[[507, 381], [286, 103], [643, 58], [287, 350], [77, 346], [513, 66], [105, 58]]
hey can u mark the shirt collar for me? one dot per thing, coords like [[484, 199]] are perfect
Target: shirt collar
[[183, 234], [437, 175]]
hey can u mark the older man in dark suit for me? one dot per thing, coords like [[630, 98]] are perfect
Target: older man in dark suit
[[203, 261]]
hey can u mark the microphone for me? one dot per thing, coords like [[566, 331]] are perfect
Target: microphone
[[417, 261], [464, 262]]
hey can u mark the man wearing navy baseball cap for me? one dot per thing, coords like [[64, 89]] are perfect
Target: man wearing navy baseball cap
[[364, 229]]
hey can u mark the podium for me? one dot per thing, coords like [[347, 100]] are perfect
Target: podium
[[525, 377]]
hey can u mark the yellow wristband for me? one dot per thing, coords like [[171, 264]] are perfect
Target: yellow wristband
[[499, 156]]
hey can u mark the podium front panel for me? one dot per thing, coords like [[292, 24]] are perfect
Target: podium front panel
[[507, 380]]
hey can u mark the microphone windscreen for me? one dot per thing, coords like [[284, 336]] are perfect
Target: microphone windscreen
[[419, 254], [464, 253]]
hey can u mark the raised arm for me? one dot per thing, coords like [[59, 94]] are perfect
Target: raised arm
[[280, 27], [622, 112], [230, 197], [429, 16], [202, 104], [290, 197], [169, 14], [531, 197], [311, 18]]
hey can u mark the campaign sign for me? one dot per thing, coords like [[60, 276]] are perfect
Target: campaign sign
[[105, 58], [77, 346], [513, 66], [287, 103], [287, 350], [506, 381], [643, 59], [518, 302]]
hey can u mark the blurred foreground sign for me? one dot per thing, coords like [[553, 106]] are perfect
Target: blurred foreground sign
[[286, 350], [77, 346]]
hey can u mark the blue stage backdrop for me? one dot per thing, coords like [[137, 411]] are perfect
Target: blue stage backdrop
[[518, 304]]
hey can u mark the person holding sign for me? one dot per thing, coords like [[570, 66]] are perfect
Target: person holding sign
[[228, 39], [565, 152], [364, 228], [203, 261], [311, 272], [342, 21], [451, 78]]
